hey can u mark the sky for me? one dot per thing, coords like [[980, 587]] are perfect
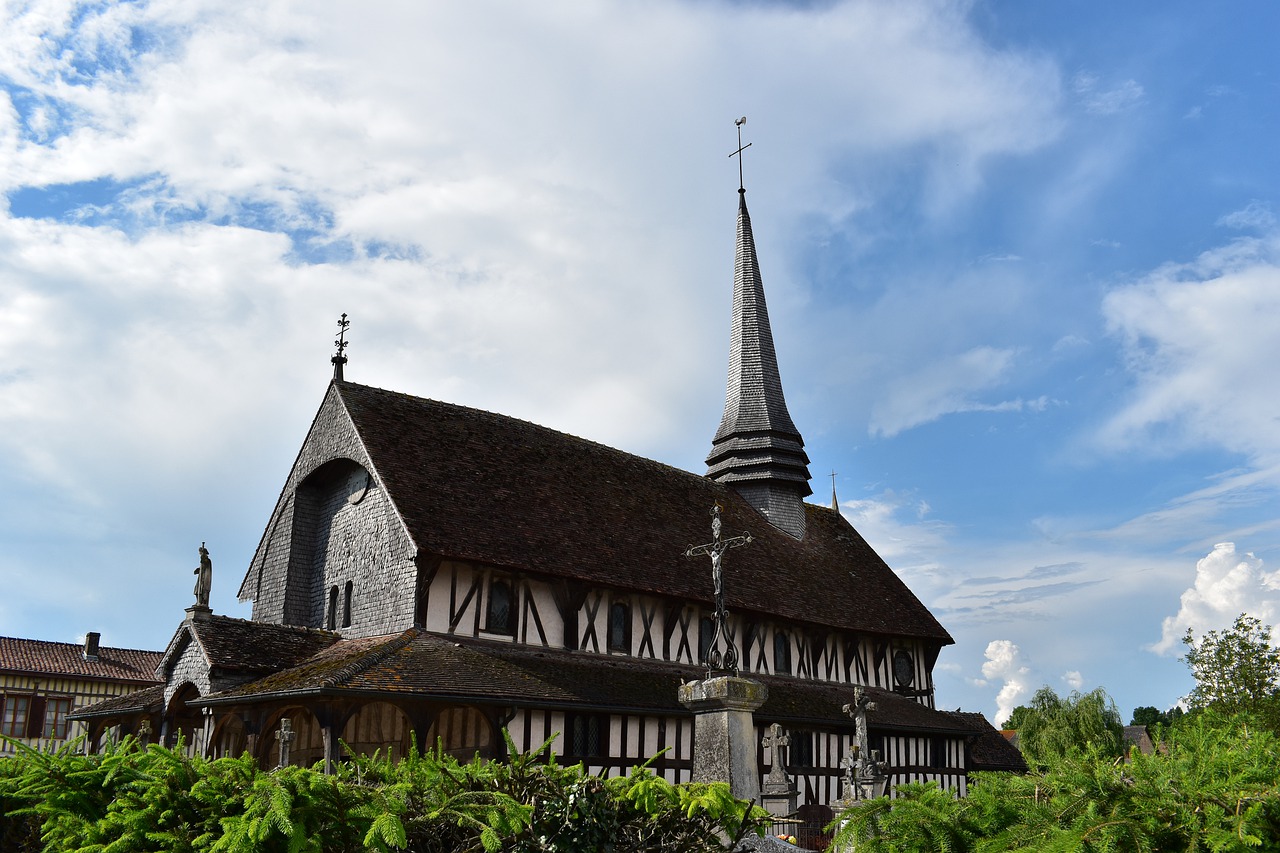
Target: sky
[[1022, 263]]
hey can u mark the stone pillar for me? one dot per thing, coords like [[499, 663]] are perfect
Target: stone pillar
[[724, 731]]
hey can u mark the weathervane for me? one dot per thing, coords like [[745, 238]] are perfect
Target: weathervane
[[715, 549], [835, 504], [740, 122], [341, 343]]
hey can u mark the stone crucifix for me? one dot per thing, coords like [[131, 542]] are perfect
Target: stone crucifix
[[776, 741], [858, 709], [285, 737], [715, 549]]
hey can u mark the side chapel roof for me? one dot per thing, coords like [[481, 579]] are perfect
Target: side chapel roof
[[239, 645], [423, 664], [493, 489]]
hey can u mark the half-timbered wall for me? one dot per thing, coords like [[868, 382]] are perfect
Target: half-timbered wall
[[33, 705], [625, 741], [466, 599]]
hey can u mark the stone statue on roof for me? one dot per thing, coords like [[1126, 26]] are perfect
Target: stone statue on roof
[[204, 577]]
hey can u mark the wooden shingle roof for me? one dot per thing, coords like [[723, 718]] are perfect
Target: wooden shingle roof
[[45, 658], [493, 489], [430, 666]]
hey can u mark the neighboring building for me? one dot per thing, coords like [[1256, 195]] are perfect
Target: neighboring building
[[436, 572], [1140, 737], [42, 683]]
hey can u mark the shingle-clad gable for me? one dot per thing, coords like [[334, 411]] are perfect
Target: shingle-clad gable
[[41, 657], [492, 489], [238, 645]]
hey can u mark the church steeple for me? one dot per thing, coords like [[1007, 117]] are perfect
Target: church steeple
[[757, 449]]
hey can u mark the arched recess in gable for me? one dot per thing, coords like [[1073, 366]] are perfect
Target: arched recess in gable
[[339, 533]]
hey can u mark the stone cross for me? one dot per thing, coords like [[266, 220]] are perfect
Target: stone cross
[[204, 577], [715, 549], [776, 742], [857, 709], [285, 737], [851, 764]]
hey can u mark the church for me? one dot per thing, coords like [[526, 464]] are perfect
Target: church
[[437, 574]]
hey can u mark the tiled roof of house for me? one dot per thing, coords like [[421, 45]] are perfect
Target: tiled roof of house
[[493, 489], [439, 668], [42, 657], [989, 749]]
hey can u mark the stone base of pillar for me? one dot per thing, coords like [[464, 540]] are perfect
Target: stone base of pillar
[[724, 731], [780, 803]]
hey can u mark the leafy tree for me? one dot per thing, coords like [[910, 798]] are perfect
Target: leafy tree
[[1237, 670], [1216, 787], [1052, 726], [1150, 716]]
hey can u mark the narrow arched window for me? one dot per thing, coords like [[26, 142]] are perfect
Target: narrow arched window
[[781, 653], [498, 616], [346, 605], [619, 627], [331, 621]]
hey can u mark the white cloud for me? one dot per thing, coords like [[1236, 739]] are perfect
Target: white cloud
[[1256, 215], [1004, 664], [948, 386], [1073, 679], [1226, 585], [1198, 344]]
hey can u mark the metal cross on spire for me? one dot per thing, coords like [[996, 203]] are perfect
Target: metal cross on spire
[[341, 343], [835, 504], [740, 122], [716, 662]]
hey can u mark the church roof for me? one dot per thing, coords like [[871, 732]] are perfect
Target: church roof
[[45, 658], [440, 668], [493, 489]]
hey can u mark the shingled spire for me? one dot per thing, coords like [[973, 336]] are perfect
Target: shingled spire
[[757, 449]]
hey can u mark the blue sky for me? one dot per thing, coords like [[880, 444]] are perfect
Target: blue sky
[[1022, 262]]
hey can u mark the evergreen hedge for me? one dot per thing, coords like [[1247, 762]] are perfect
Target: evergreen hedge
[[129, 799]]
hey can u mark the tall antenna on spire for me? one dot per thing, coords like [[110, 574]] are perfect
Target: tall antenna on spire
[[740, 122], [341, 343]]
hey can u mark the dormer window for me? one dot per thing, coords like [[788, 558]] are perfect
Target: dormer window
[[499, 616], [619, 627]]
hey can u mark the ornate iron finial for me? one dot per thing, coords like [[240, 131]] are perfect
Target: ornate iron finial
[[341, 343], [740, 122], [716, 662]]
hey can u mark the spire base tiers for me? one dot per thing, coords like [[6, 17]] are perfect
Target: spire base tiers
[[780, 503]]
